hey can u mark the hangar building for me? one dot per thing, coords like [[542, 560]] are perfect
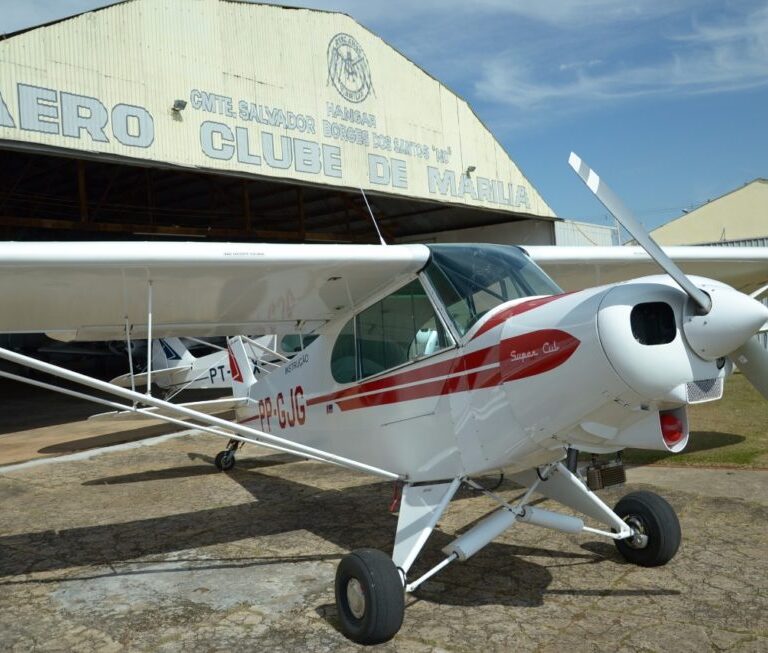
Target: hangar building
[[739, 218], [239, 121]]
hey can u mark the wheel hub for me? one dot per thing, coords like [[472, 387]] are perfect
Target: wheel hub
[[356, 598], [638, 539]]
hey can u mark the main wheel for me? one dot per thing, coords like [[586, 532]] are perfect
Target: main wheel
[[656, 529], [370, 597], [225, 460]]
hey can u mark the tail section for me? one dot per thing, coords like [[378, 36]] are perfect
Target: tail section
[[170, 352], [240, 367]]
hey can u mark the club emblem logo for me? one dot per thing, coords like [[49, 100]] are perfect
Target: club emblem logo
[[348, 68]]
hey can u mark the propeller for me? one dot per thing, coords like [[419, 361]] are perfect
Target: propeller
[[723, 321], [616, 207]]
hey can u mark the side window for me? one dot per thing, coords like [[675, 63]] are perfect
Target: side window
[[343, 357], [296, 342], [400, 328]]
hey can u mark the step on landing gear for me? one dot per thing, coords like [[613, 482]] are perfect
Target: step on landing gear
[[370, 596], [225, 460]]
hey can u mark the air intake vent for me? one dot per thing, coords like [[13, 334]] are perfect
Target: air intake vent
[[706, 390], [653, 323]]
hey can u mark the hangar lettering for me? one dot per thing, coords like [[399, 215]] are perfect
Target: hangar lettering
[[220, 141], [48, 111], [338, 112], [494, 191], [89, 119], [275, 117], [211, 102], [341, 132]]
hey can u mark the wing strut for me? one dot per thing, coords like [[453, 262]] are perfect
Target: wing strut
[[211, 423], [149, 337]]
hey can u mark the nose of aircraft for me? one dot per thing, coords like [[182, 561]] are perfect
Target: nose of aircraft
[[732, 320]]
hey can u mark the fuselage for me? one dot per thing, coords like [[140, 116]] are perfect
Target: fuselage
[[447, 388]]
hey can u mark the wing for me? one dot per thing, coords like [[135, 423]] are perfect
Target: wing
[[164, 377], [574, 268], [89, 290]]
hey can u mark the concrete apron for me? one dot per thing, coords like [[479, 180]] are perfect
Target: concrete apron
[[150, 548]]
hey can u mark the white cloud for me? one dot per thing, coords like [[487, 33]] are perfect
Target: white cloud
[[554, 12], [708, 58]]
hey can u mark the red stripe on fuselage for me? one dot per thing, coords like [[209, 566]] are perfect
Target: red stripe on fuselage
[[437, 388], [469, 361], [522, 307], [515, 358]]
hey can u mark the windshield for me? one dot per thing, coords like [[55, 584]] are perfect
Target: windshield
[[473, 279]]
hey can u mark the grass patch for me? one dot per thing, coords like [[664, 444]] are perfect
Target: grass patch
[[732, 432]]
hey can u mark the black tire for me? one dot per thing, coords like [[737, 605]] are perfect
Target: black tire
[[653, 517], [370, 596], [225, 460]]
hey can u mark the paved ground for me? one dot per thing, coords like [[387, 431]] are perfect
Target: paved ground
[[150, 549]]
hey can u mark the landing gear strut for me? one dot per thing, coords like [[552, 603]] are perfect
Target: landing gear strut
[[225, 460]]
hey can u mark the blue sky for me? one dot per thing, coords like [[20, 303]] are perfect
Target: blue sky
[[666, 99]]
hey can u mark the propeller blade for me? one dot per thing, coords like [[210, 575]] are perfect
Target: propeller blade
[[636, 230], [752, 359]]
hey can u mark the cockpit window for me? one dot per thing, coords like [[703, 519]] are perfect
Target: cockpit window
[[401, 328], [473, 279]]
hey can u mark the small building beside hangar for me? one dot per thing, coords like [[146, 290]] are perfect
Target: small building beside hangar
[[240, 121]]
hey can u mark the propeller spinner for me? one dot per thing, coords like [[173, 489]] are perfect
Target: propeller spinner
[[723, 321]]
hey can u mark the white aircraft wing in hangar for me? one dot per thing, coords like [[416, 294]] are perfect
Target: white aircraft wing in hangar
[[91, 290], [574, 268]]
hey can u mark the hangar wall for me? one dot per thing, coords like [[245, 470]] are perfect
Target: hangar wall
[[281, 93]]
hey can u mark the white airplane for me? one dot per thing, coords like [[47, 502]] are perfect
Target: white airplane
[[431, 365], [174, 368]]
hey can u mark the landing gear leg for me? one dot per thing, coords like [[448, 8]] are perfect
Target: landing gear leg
[[572, 460], [225, 460]]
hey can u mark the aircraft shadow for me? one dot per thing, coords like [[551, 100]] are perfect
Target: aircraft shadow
[[189, 471], [350, 518], [108, 439]]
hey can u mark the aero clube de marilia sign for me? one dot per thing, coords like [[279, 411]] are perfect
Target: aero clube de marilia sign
[[344, 143]]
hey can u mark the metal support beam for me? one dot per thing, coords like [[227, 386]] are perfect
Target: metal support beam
[[150, 201], [82, 190], [246, 206], [300, 201], [149, 337]]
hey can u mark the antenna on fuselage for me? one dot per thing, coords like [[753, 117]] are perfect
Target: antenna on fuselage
[[373, 219]]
